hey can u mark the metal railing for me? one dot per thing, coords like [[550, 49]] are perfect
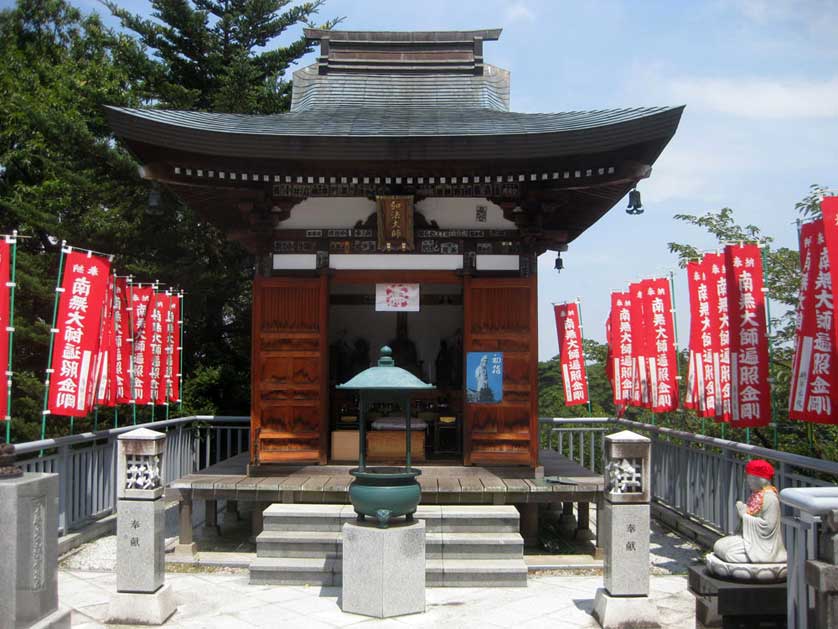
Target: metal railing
[[802, 532], [580, 437], [698, 477], [86, 463]]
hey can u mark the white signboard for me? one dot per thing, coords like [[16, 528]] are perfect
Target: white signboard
[[397, 297]]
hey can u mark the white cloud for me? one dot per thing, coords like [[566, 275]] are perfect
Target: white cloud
[[519, 12], [760, 98]]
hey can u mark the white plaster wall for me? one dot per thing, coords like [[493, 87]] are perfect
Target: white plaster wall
[[329, 212], [459, 213], [344, 212]]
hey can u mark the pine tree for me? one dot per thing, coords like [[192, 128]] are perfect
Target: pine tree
[[218, 55]]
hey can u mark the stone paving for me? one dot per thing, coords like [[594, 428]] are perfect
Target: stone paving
[[228, 601], [225, 599]]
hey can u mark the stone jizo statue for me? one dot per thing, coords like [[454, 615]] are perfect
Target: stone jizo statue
[[758, 552]]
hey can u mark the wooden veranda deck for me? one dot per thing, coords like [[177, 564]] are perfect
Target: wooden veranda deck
[[441, 484]]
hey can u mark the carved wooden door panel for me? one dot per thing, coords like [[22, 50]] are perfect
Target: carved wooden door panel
[[501, 316], [289, 373]]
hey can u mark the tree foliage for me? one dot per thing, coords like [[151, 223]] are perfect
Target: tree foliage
[[63, 177], [214, 55]]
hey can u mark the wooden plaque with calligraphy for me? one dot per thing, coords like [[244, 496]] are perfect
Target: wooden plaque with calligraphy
[[395, 223]]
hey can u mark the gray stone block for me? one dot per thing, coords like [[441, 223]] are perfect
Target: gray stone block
[[140, 545], [625, 530], [135, 608], [625, 612], [28, 550], [384, 570]]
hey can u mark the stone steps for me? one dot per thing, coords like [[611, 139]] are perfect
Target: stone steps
[[438, 572], [466, 546], [328, 545]]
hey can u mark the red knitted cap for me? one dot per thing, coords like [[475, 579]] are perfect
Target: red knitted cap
[[761, 468]]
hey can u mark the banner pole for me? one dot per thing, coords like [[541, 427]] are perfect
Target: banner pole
[[180, 353], [672, 311], [13, 246], [154, 293], [96, 418], [582, 347], [131, 340], [52, 333]]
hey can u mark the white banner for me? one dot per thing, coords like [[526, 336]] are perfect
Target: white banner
[[397, 297]]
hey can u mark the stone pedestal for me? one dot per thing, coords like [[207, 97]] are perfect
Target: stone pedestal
[[624, 612], [132, 608], [142, 598], [384, 569], [723, 603], [29, 553]]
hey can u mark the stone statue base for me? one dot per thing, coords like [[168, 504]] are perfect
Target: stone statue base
[[750, 572]]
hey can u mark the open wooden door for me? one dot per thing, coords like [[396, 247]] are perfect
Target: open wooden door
[[289, 372], [501, 316]]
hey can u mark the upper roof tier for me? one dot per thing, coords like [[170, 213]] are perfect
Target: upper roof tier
[[424, 69]]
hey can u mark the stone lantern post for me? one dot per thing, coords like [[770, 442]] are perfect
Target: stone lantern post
[[142, 596], [624, 601]]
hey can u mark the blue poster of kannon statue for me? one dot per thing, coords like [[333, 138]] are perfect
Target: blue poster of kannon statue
[[484, 377]]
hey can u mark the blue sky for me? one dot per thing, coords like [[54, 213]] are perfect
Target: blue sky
[[759, 79]]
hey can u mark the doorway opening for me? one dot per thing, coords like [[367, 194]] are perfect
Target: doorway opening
[[427, 343]]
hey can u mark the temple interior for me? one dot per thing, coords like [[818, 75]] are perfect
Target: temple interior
[[428, 343]]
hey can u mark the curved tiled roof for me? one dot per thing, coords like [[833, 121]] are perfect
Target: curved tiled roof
[[390, 133], [403, 122]]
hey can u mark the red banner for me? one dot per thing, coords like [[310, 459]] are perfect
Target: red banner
[[570, 352], [172, 375], [813, 381], [750, 391], [76, 343], [717, 372], [5, 322], [122, 342], [622, 358], [141, 304], [155, 343], [694, 397], [643, 343], [662, 352], [105, 384]]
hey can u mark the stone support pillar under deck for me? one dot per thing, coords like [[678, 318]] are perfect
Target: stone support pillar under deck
[[529, 523], [185, 543]]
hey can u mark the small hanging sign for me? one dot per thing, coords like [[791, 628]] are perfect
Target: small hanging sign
[[395, 223], [397, 297]]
